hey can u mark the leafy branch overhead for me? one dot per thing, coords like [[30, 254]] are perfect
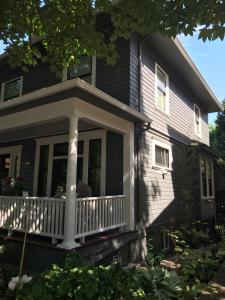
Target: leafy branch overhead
[[71, 28]]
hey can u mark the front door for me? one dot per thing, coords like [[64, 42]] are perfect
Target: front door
[[9, 165]]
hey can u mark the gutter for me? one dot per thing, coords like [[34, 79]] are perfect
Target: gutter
[[71, 84]]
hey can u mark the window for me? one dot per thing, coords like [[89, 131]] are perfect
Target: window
[[162, 92], [207, 184], [165, 240], [197, 120], [85, 70], [52, 158], [12, 89], [162, 155]]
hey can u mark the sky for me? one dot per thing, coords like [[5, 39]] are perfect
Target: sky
[[209, 57]]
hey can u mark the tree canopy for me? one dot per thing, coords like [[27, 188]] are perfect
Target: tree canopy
[[217, 137], [68, 29]]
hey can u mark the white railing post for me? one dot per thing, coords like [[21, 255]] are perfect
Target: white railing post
[[128, 176], [70, 215]]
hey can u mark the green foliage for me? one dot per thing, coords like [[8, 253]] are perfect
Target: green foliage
[[69, 29]]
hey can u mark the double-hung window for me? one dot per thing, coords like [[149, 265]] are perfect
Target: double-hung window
[[197, 120], [207, 180], [12, 89], [162, 89]]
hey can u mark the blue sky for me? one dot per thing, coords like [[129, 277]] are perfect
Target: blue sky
[[209, 57]]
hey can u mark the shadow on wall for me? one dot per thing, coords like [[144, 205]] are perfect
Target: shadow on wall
[[164, 200]]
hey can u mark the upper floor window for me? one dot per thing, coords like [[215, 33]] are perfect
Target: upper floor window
[[162, 89], [12, 88], [197, 120], [85, 70], [162, 155], [207, 180]]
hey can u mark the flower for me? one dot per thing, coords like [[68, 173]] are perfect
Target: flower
[[15, 281]]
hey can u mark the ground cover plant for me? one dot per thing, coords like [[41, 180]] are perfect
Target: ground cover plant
[[198, 258]]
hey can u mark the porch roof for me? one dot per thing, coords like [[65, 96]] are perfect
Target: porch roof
[[70, 89]]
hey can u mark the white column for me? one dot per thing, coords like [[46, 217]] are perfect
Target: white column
[[69, 221], [128, 175]]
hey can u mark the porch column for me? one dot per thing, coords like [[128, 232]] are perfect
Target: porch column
[[69, 221], [128, 175]]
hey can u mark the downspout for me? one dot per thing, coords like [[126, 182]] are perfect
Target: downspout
[[140, 129]]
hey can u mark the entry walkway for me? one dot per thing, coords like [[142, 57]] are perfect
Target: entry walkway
[[217, 283]]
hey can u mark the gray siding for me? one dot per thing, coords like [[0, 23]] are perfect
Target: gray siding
[[114, 80], [114, 163], [179, 123], [37, 77]]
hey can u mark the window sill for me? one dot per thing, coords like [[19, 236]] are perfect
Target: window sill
[[166, 113], [155, 167]]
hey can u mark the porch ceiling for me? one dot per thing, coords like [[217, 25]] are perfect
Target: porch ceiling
[[56, 127], [74, 88]]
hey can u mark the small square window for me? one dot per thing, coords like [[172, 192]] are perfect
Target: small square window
[[12, 89], [162, 96], [161, 156]]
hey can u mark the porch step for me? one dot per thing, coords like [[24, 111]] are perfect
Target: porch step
[[40, 254]]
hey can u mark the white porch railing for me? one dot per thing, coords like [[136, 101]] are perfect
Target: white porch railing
[[97, 214], [45, 216]]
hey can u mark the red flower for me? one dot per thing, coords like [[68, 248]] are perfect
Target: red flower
[[19, 178]]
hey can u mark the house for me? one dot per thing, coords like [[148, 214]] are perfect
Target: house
[[135, 133]]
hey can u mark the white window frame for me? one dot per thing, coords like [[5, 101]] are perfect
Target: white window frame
[[93, 71], [165, 146], [82, 136], [166, 111], [200, 122], [14, 151], [3, 88], [166, 239], [207, 185]]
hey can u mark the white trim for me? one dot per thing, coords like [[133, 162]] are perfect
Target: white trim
[[207, 185], [93, 71], [168, 147], [69, 84], [13, 151], [3, 88], [82, 136], [166, 111], [200, 122]]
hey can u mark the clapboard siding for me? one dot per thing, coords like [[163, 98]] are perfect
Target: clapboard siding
[[114, 80], [162, 197], [179, 123], [35, 78]]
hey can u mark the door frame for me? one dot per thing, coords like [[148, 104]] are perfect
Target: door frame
[[82, 136]]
